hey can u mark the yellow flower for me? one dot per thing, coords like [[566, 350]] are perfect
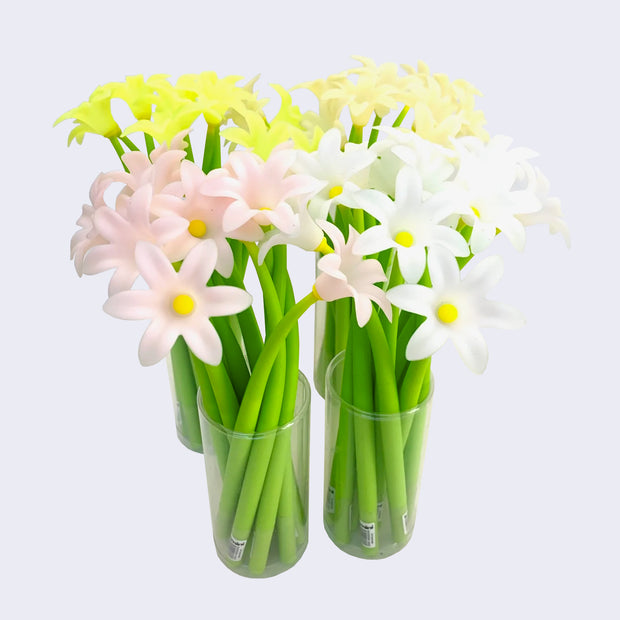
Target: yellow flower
[[216, 97], [443, 109], [92, 116], [172, 115], [256, 133], [138, 94]]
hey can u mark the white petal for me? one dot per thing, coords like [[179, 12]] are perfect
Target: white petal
[[408, 187], [485, 275], [376, 203], [157, 341], [443, 268], [412, 298], [373, 240], [450, 239], [426, 340], [482, 235], [496, 314], [472, 348], [412, 262]]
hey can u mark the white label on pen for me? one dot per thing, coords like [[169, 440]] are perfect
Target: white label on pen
[[236, 548], [405, 517], [368, 534], [331, 500]]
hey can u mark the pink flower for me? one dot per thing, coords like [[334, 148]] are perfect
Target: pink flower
[[178, 304], [260, 189], [347, 274]]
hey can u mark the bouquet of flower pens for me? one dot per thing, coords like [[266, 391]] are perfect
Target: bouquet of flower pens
[[393, 210]]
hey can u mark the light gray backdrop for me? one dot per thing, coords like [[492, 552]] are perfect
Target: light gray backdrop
[[104, 514]]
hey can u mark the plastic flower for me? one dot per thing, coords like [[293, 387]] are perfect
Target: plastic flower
[[342, 171], [489, 174], [88, 236], [137, 93], [259, 189], [173, 114], [178, 304], [214, 96], [434, 163], [305, 233], [550, 212], [262, 137], [409, 223], [204, 215], [92, 116], [345, 273], [455, 309], [122, 233]]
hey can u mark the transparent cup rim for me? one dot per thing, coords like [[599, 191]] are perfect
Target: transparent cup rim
[[302, 408], [331, 391]]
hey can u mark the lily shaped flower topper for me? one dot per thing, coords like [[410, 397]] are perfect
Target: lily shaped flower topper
[[178, 304], [345, 273], [455, 308]]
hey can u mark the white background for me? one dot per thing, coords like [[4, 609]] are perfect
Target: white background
[[103, 514]]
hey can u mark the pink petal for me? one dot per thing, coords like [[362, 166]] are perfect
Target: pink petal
[[202, 339], [199, 264], [225, 300], [153, 264], [157, 341], [132, 305]]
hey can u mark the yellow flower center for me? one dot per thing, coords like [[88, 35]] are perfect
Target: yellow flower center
[[335, 191], [183, 304], [447, 313], [323, 247], [197, 228], [404, 238], [475, 210]]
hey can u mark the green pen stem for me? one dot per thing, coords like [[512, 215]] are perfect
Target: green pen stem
[[364, 435], [357, 134], [401, 117], [149, 143], [119, 151], [386, 400], [129, 144], [374, 134]]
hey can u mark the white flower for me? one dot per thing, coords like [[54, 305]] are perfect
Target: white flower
[[409, 223], [347, 274], [433, 162], [455, 308], [490, 174], [343, 172], [550, 212], [122, 233], [178, 304]]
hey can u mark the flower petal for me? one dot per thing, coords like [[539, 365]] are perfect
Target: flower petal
[[443, 268], [472, 348], [203, 340], [132, 305], [426, 340], [157, 341]]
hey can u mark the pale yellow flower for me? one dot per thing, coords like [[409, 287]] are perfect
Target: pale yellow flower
[[92, 116], [443, 109]]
